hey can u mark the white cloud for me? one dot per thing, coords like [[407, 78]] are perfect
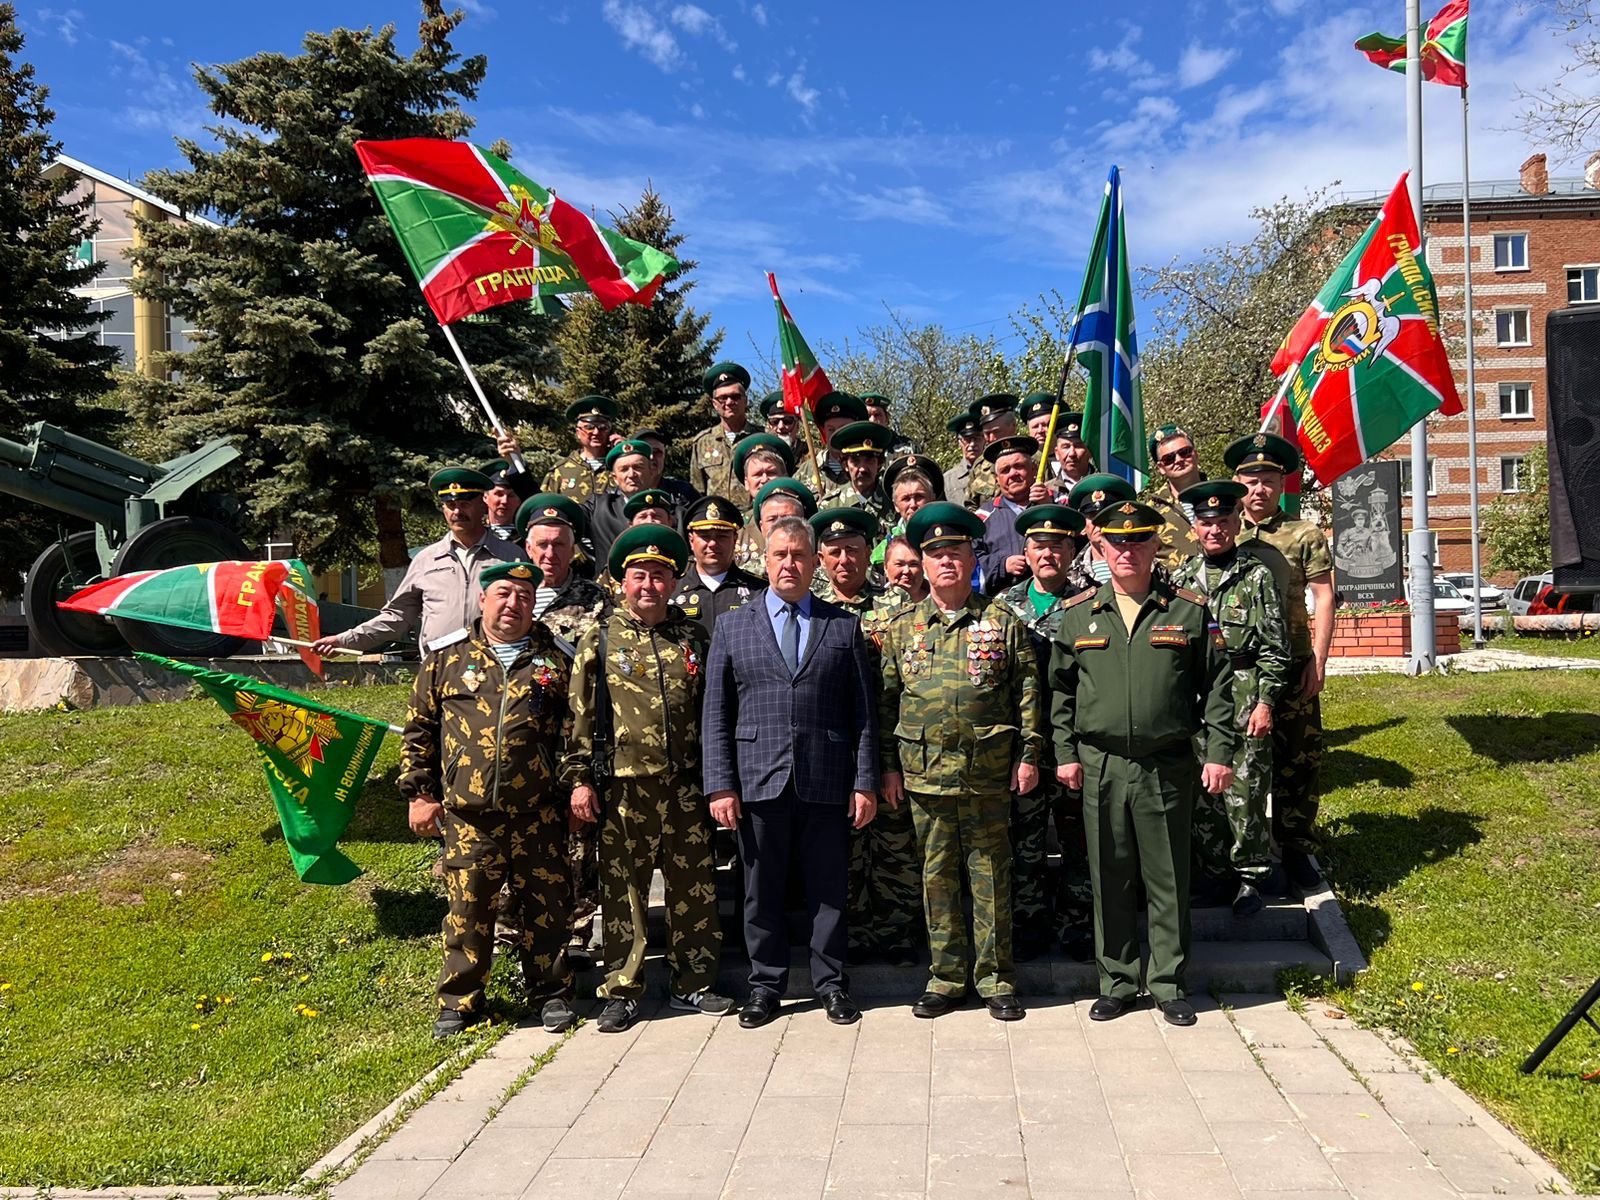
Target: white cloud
[[758, 14], [65, 22], [479, 9], [697, 22], [640, 31], [1122, 58], [738, 72], [805, 97], [911, 205], [1201, 64]]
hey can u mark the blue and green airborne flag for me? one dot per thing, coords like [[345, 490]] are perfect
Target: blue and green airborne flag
[[1107, 346]]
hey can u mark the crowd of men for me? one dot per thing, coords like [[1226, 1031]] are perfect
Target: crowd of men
[[896, 685]]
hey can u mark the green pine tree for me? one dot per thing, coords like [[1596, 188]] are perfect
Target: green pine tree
[[57, 377], [316, 351]]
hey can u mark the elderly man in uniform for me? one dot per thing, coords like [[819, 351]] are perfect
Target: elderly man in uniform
[[780, 421], [711, 452], [1000, 555], [996, 415], [1074, 461], [1178, 464], [1302, 561], [656, 476], [758, 459], [832, 413], [652, 815], [1048, 532], [1233, 843], [438, 595], [960, 715], [970, 440], [714, 585], [1138, 675], [910, 481], [878, 412], [863, 447], [582, 473], [629, 464], [1089, 495], [780, 497], [477, 766]]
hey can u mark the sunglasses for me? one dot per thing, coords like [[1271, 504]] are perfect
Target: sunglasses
[[1176, 456], [1118, 540]]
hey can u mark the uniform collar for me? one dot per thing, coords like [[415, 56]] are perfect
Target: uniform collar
[[935, 614], [445, 546], [1158, 595]]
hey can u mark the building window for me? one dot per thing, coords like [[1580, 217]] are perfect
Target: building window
[[1516, 400], [1510, 252], [1513, 471], [1583, 285], [1405, 477], [1511, 327], [117, 329]]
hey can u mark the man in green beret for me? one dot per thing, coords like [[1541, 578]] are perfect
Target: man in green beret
[[878, 412], [996, 415], [863, 447], [711, 453], [645, 795], [1177, 465], [1049, 533], [438, 595], [780, 497], [832, 413], [714, 584], [959, 719], [628, 463], [1072, 460], [477, 766], [1015, 463], [781, 421], [970, 440], [1089, 495], [650, 506], [1302, 561], [1232, 839], [582, 473], [1139, 675], [759, 458], [910, 481]]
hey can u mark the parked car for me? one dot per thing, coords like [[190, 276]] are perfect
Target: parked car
[[1447, 598], [1527, 589], [1538, 592], [1488, 595]]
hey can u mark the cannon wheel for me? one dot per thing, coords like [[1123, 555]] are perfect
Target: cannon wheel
[[64, 568], [177, 542]]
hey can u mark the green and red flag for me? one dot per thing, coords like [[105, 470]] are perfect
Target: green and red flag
[[1444, 47], [804, 380], [478, 232], [1365, 360], [316, 758], [233, 597]]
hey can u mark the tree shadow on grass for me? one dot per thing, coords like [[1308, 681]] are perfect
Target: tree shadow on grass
[[1551, 737], [1349, 733], [408, 914]]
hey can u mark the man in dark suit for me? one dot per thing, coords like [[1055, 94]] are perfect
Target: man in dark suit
[[790, 743]]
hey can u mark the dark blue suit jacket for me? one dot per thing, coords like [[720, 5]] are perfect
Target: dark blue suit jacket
[[761, 728]]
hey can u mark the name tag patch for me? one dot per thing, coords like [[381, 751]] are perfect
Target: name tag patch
[[1169, 639], [1091, 643]]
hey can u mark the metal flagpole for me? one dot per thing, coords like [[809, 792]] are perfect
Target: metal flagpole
[[477, 389], [1472, 380], [1421, 597]]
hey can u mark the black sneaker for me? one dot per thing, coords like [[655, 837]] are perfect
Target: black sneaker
[[617, 1015], [452, 1021], [557, 1016], [703, 1001], [1248, 902]]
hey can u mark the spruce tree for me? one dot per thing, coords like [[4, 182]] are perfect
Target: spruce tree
[[316, 351], [55, 377]]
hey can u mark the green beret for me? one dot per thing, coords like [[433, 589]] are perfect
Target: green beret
[[771, 403], [862, 437], [497, 472], [1070, 425], [648, 498], [1261, 452], [520, 572], [726, 372], [713, 512], [1166, 433], [922, 465], [624, 448], [1022, 444], [1036, 404], [1128, 521], [749, 444], [593, 406], [838, 404], [1049, 519], [454, 483], [785, 486], [1091, 493], [550, 508], [963, 423], [846, 522], [648, 543], [995, 404], [1213, 497], [941, 523], [883, 401]]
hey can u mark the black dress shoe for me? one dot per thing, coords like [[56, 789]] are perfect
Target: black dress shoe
[[1248, 902], [1178, 1012], [934, 1004], [1005, 1007], [840, 1008], [758, 1010], [1109, 1008]]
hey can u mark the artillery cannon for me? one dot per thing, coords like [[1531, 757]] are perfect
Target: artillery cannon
[[146, 516]]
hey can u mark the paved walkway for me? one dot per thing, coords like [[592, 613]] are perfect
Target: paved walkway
[[1470, 661], [1254, 1101]]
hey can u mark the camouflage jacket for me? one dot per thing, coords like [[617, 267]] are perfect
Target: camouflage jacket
[[982, 485], [877, 504], [711, 465], [577, 606], [1302, 555], [574, 477], [1245, 604], [750, 552], [1178, 540], [654, 676], [833, 485], [482, 738], [960, 701]]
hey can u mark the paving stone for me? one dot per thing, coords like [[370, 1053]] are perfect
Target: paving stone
[[962, 1126], [1275, 1025], [1473, 1161], [646, 1076], [390, 1179], [716, 1099], [804, 1126], [776, 1177], [621, 1130], [963, 1176], [1060, 1046], [543, 1103], [969, 1029], [1160, 1124], [1210, 1048], [892, 1158], [1350, 1124], [686, 1160], [799, 1071], [972, 1072], [1237, 1096], [1412, 1100], [1273, 1194], [1391, 1177], [886, 1098], [499, 1165], [1079, 1157], [581, 1179], [1141, 1072], [438, 1130], [1049, 1097], [1309, 1071], [1275, 1155], [1159, 1176], [1365, 1051]]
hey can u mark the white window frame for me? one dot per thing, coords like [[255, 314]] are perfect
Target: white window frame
[[1495, 251], [1521, 469], [1527, 320], [1570, 267], [1505, 390], [1433, 476]]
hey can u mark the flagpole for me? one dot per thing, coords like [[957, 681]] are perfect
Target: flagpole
[[1047, 452], [1421, 595], [1277, 401], [1472, 378], [477, 388], [340, 650]]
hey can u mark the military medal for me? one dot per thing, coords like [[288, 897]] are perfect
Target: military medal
[[471, 679], [691, 660]]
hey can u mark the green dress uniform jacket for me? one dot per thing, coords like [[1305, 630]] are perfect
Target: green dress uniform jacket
[[711, 465]]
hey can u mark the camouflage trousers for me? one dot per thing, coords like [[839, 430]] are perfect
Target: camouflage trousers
[[1296, 755], [524, 851], [657, 822], [1030, 883], [1074, 899], [970, 831], [1232, 837], [885, 908], [583, 854]]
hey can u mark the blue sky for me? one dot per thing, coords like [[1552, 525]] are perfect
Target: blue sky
[[943, 159]]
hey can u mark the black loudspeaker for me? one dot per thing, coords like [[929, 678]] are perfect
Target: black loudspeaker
[[1572, 432]]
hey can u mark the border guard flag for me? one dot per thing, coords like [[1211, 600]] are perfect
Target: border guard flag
[[1105, 342], [1444, 47], [804, 380]]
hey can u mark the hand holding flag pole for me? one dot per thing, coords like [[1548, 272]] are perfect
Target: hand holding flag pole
[[1047, 451], [488, 409]]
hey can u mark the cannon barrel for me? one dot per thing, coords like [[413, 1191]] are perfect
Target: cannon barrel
[[73, 474]]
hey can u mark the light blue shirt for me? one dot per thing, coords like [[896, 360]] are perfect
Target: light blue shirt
[[777, 615]]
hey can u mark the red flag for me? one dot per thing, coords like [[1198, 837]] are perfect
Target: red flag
[[804, 380]]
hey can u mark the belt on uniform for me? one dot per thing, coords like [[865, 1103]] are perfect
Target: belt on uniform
[[1244, 660]]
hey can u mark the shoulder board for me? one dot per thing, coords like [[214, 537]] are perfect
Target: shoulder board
[[447, 639], [1086, 594], [1194, 598]]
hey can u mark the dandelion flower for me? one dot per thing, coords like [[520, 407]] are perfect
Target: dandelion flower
[[304, 978], [5, 987], [267, 957], [1419, 986], [1453, 1050], [194, 1024]]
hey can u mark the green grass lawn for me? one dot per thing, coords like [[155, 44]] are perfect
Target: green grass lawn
[[1577, 645], [1464, 822], [175, 1007]]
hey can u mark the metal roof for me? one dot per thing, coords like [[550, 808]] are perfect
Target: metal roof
[[80, 167], [1497, 191]]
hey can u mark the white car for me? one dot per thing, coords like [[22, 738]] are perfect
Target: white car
[[1447, 598], [1488, 595]]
